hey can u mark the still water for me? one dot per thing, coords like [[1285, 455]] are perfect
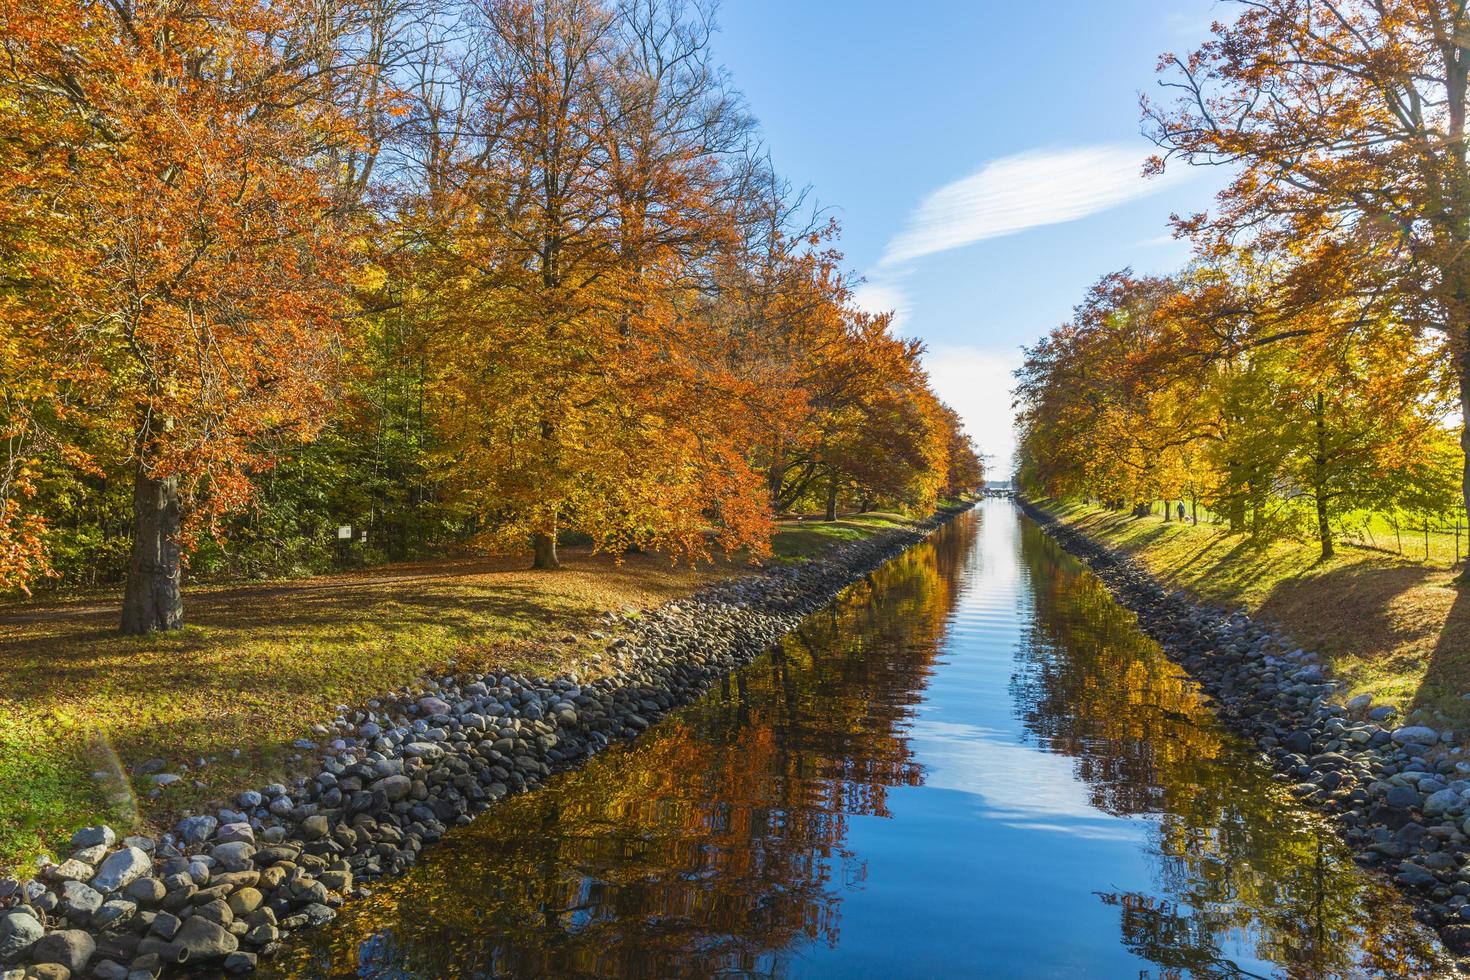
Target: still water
[[972, 764]]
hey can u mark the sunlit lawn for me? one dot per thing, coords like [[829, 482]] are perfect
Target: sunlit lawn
[[1390, 625], [259, 664]]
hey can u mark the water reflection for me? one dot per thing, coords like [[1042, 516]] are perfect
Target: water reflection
[[970, 763]]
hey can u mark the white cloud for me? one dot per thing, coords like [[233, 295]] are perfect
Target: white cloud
[[977, 384], [883, 297], [1026, 190]]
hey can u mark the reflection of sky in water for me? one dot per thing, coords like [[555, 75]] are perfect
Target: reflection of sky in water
[[916, 789], [1013, 783]]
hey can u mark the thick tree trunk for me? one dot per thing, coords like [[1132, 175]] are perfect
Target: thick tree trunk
[[544, 547], [832, 497], [151, 599]]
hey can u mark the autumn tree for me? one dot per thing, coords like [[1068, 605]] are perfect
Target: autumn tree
[[190, 293], [1343, 122]]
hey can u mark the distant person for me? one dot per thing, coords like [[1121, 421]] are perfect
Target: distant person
[[1181, 510]]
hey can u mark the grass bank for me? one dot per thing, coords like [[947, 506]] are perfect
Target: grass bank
[[1390, 626], [260, 664]]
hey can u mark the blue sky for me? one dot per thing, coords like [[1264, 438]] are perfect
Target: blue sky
[[981, 156]]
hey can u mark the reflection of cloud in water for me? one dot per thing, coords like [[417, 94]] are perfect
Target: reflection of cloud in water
[[1023, 788]]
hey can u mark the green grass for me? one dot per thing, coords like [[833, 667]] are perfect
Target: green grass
[[259, 665], [1388, 625], [809, 538]]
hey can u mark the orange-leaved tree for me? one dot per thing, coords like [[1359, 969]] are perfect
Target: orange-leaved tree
[[187, 288]]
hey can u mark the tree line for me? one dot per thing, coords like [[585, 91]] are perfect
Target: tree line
[[448, 271], [1310, 364]]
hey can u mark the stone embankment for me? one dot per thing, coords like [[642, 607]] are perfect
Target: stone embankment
[[1399, 794], [224, 889]]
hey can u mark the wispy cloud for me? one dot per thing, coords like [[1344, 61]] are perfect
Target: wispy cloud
[[1026, 190]]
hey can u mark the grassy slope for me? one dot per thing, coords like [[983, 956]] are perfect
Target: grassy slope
[[260, 664], [1390, 626]]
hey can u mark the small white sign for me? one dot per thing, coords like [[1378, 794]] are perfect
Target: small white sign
[[344, 533]]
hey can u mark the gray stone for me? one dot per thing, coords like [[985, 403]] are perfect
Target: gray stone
[[70, 870], [92, 836], [1360, 702], [240, 963], [1382, 713], [19, 931], [206, 940], [1402, 797], [394, 787], [145, 891], [235, 856], [72, 948], [1299, 742], [423, 750], [232, 833], [196, 830], [433, 706], [122, 868], [113, 912], [79, 901], [1415, 735]]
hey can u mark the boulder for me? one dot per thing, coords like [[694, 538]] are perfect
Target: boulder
[[121, 869], [71, 948]]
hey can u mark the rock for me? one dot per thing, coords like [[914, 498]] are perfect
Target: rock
[[113, 912], [145, 891], [423, 750], [240, 963], [19, 931], [1442, 801], [1360, 702], [1415, 735], [48, 971], [234, 856], [394, 787], [71, 870], [245, 901], [1299, 742], [121, 869], [93, 836], [79, 901], [232, 833], [72, 948], [166, 779], [196, 830], [315, 827], [433, 706], [205, 940]]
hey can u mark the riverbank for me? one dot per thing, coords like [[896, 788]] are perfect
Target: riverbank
[[219, 704], [1398, 793], [1406, 643], [397, 771]]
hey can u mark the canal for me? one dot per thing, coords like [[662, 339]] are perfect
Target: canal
[[971, 764]]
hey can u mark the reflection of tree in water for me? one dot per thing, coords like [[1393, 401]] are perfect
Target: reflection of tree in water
[[710, 846], [1238, 865]]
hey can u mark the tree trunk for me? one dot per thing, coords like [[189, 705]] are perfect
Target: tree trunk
[[1324, 528], [1465, 440], [832, 497], [544, 547], [151, 598]]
